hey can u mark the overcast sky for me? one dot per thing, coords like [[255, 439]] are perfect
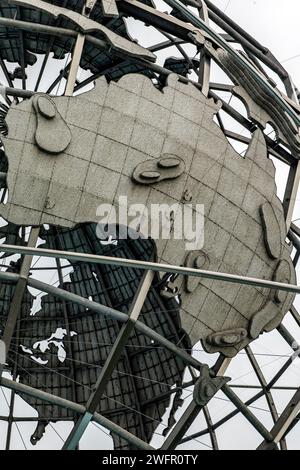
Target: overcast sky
[[272, 22]]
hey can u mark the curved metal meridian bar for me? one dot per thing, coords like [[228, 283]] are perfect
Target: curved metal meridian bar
[[247, 41], [107, 311], [167, 268], [87, 25], [268, 394], [279, 429], [79, 409], [249, 402], [184, 36], [189, 16]]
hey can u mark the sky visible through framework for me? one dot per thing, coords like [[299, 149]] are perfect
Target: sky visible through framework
[[275, 25]]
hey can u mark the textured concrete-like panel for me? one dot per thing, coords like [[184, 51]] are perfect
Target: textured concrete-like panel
[[122, 129]]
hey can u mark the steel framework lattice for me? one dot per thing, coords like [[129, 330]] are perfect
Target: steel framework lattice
[[129, 361]]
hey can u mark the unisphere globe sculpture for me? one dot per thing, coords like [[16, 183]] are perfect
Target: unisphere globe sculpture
[[100, 321]]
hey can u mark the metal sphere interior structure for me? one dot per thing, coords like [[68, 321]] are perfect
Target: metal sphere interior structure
[[192, 111]]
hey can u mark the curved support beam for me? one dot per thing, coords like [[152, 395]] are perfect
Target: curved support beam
[[156, 267], [282, 425], [212, 432], [200, 400], [111, 362], [87, 25], [109, 312], [217, 39], [249, 402], [76, 408], [268, 394]]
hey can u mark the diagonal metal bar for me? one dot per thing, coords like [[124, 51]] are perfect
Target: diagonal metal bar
[[281, 426], [189, 16], [212, 432], [16, 301], [12, 320], [109, 312], [47, 54], [249, 402], [205, 60], [141, 11], [189, 416], [268, 394], [247, 413], [146, 15], [14, 376], [22, 49], [291, 191], [157, 267], [76, 57], [296, 315], [76, 408], [85, 24], [70, 346], [111, 362]]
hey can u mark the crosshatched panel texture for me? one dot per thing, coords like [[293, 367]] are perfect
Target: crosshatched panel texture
[[134, 119], [147, 135], [137, 394]]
